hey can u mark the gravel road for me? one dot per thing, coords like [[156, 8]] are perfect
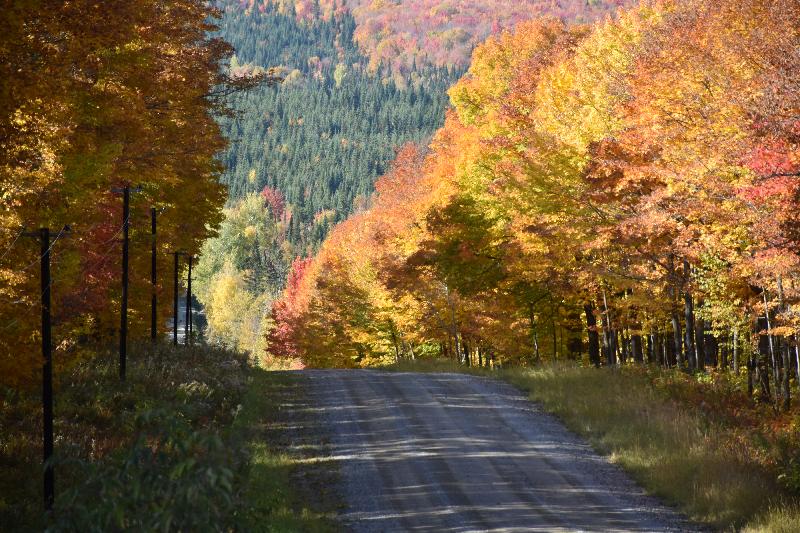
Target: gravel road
[[451, 452]]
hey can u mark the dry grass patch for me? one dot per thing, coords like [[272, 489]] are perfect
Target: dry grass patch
[[674, 451]]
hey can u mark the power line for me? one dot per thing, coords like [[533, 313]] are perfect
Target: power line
[[39, 259], [9, 230], [97, 263]]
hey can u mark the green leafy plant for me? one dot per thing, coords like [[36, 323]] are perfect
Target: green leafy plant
[[172, 477]]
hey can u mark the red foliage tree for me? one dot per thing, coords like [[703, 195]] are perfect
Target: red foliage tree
[[275, 201]]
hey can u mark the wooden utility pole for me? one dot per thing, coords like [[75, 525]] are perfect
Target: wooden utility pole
[[123, 315], [188, 323], [175, 301], [47, 377], [123, 327], [153, 281], [191, 307], [47, 368], [594, 340]]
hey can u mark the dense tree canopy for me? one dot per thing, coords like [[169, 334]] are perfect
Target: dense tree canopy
[[632, 182], [357, 85], [95, 96]]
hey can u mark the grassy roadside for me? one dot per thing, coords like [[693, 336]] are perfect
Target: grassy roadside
[[693, 456], [287, 489], [191, 441], [155, 447]]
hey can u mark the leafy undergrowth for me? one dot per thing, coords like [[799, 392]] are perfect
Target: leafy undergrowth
[[152, 453], [697, 442], [178, 446]]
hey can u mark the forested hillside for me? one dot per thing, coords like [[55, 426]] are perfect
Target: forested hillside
[[361, 79], [399, 34], [313, 146], [323, 136]]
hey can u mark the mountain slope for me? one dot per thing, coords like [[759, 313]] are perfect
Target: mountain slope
[[362, 78], [444, 32], [323, 136], [402, 33]]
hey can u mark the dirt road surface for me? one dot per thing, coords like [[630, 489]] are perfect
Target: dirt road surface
[[451, 452]]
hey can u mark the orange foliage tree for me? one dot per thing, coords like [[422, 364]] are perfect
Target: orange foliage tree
[[96, 96], [629, 186]]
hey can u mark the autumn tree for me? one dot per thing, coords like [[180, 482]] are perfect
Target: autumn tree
[[96, 96]]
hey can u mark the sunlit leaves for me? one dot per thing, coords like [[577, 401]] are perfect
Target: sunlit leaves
[[95, 96]]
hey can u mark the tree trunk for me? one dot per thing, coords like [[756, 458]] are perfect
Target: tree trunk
[[797, 358], [670, 358], [660, 349], [724, 356], [594, 340], [762, 362], [677, 338], [622, 346], [613, 353], [608, 335], [396, 347], [735, 342], [787, 393], [636, 348], [711, 349], [762, 374], [534, 335], [771, 345], [688, 308], [700, 344]]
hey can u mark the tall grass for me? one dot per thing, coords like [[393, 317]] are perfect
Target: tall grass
[[277, 501], [675, 452]]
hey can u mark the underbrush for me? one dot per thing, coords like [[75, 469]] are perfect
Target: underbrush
[[676, 452], [181, 445], [152, 453]]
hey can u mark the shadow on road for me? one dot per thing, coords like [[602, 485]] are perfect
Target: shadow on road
[[450, 452]]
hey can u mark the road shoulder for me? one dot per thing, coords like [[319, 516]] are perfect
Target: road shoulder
[[292, 481]]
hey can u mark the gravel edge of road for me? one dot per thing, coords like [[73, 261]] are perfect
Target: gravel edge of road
[[606, 470], [296, 430]]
